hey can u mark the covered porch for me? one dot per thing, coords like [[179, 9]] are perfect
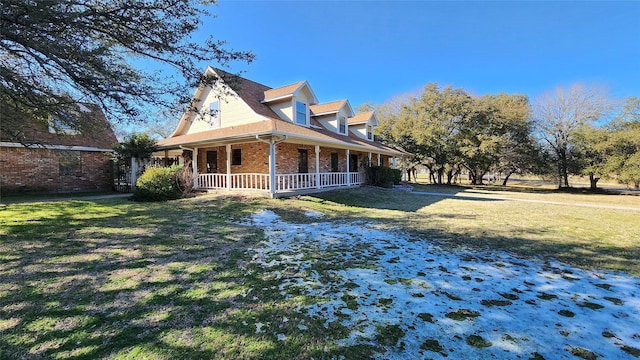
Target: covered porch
[[276, 165]]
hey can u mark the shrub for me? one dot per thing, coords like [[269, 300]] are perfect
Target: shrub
[[396, 176], [158, 184], [382, 176]]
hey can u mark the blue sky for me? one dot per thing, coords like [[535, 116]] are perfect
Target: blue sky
[[375, 50]]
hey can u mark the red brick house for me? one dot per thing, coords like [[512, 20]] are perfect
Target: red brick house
[[274, 140], [53, 158]]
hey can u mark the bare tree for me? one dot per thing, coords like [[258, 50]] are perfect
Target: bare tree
[[559, 113]]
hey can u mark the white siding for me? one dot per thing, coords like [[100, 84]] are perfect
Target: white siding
[[283, 109]]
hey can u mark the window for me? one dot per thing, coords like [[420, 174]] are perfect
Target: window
[[303, 161], [342, 125], [236, 157], [214, 114], [70, 163], [369, 132], [61, 124], [353, 163], [334, 162], [301, 113]]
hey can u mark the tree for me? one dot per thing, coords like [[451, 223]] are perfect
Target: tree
[[139, 146], [56, 53], [622, 148], [590, 146], [497, 124], [557, 115]]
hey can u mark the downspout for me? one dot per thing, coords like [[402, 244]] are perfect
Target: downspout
[[272, 160], [194, 167]]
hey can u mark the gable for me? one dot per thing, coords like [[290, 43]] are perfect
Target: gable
[[239, 101]]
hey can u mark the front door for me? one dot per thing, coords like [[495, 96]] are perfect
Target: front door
[[212, 161]]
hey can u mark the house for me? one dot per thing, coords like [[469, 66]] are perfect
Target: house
[[242, 135], [52, 157]]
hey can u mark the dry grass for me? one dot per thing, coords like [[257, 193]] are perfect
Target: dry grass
[[122, 280]]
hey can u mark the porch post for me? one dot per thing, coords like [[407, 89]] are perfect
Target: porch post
[[228, 151], [272, 167], [348, 175], [393, 162], [317, 166], [370, 159], [194, 165], [378, 159]]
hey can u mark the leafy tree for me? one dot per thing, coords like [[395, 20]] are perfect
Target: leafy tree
[[559, 114], [589, 149], [139, 146], [498, 124], [622, 148], [56, 53]]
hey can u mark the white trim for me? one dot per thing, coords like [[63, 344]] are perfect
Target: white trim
[[55, 147]]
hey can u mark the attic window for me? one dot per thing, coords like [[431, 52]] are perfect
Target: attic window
[[61, 124], [301, 113], [214, 114], [342, 125], [369, 132]]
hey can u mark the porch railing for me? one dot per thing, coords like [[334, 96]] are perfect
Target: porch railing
[[284, 182]]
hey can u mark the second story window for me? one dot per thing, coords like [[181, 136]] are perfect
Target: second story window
[[369, 132], [342, 125], [301, 113], [214, 114]]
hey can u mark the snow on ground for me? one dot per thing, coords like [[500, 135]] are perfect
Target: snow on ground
[[384, 285]]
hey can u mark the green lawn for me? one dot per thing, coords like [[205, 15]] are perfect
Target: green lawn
[[123, 280]]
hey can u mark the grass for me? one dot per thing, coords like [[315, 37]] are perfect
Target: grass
[[122, 280]]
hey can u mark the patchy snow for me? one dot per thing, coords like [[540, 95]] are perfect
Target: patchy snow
[[442, 300]]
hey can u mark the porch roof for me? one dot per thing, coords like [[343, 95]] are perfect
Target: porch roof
[[295, 133]]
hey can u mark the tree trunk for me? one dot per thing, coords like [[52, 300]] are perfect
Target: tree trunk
[[506, 178], [593, 181]]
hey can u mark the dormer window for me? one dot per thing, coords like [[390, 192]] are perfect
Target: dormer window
[[369, 132], [342, 124], [214, 114], [301, 113]]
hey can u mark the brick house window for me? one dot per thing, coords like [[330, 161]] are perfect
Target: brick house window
[[70, 163], [236, 157], [342, 125], [214, 114], [303, 161], [334, 162]]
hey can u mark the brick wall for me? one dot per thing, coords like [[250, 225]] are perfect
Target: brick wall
[[36, 169], [255, 158]]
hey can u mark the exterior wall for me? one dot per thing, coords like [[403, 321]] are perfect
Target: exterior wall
[[37, 169], [284, 109], [330, 122], [360, 130], [254, 158], [287, 158], [233, 111]]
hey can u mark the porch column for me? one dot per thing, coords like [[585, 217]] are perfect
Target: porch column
[[228, 151], [194, 165], [272, 167], [317, 166], [393, 163], [379, 159], [370, 159], [348, 175]]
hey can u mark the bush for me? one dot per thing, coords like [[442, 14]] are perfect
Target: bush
[[158, 184], [382, 176]]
